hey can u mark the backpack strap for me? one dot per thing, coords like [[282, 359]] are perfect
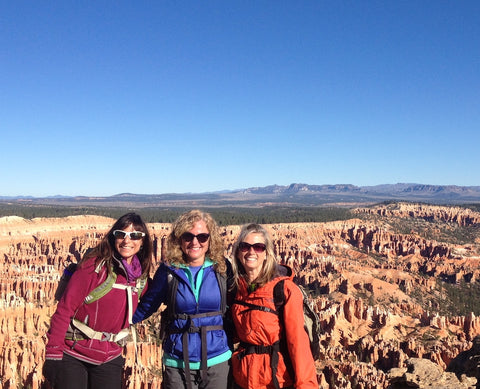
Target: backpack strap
[[279, 301], [140, 284], [99, 292], [279, 297], [89, 333], [167, 314], [222, 284], [64, 279], [170, 315], [102, 289], [255, 307], [277, 347], [105, 287]]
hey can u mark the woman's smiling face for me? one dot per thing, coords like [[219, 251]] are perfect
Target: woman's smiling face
[[252, 256], [195, 250], [127, 247]]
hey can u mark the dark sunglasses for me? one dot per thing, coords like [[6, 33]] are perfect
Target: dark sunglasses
[[133, 235], [188, 237], [257, 247]]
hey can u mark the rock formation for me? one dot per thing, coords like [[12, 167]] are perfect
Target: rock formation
[[376, 292], [457, 215], [422, 374]]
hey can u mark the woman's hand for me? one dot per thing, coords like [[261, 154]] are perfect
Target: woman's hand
[[50, 369]]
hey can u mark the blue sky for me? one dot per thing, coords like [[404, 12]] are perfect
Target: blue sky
[[105, 97]]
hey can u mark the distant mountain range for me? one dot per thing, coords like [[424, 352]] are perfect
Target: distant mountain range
[[293, 194]]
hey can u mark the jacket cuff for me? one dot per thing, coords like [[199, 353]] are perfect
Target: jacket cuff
[[56, 355], [54, 358]]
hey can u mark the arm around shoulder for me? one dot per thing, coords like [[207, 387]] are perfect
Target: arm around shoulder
[[154, 296]]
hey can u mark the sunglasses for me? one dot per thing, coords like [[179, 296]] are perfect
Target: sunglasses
[[188, 237], [133, 235], [257, 247]]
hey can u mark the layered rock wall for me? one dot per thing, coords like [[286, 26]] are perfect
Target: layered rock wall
[[363, 275], [458, 215]]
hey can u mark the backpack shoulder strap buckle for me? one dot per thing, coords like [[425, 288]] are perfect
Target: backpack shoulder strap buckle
[[107, 337]]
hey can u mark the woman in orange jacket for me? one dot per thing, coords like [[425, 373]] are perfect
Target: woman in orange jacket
[[274, 349]]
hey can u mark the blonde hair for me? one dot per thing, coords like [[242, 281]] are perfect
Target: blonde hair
[[269, 266], [184, 223]]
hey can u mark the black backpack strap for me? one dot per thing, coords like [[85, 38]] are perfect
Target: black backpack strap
[[231, 286], [274, 349], [172, 282], [62, 284], [171, 314], [167, 314], [222, 284], [279, 300], [230, 294], [255, 307], [279, 297]]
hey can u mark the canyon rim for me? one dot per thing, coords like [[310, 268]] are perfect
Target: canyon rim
[[382, 283]]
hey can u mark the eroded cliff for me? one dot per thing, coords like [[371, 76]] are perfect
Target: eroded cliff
[[377, 292]]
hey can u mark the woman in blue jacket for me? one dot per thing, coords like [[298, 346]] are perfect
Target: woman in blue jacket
[[193, 285]]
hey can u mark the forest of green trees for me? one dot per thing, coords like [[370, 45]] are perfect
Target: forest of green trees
[[223, 215]]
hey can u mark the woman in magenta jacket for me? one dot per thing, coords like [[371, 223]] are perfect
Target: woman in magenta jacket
[[86, 335]]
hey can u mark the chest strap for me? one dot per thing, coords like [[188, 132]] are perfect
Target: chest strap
[[191, 329], [89, 333], [129, 289], [273, 350]]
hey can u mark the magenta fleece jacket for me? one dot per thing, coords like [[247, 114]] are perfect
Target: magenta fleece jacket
[[108, 314]]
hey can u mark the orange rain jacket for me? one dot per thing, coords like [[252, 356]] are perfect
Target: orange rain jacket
[[264, 328]]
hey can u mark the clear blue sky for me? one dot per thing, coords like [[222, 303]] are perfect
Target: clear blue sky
[[104, 97]]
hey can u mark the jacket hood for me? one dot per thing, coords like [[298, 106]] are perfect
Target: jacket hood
[[283, 271]]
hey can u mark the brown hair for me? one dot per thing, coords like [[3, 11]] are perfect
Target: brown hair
[[105, 250], [184, 223]]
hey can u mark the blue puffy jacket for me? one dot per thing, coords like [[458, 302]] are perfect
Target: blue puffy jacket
[[191, 298]]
